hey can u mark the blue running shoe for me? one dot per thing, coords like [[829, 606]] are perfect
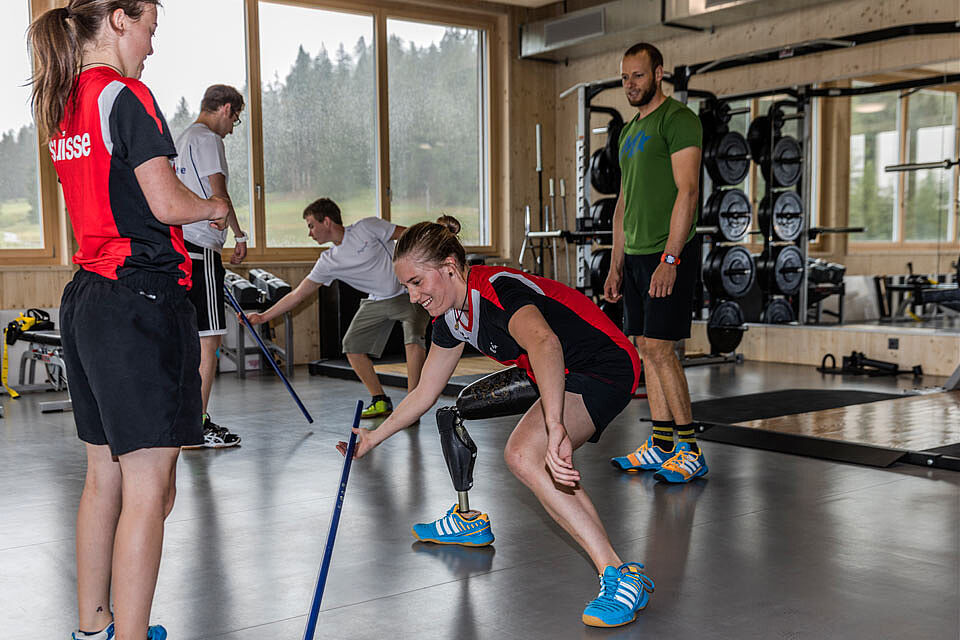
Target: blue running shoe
[[684, 466], [453, 528], [155, 632], [624, 592], [648, 457]]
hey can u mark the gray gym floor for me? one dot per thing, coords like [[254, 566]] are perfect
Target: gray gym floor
[[769, 546]]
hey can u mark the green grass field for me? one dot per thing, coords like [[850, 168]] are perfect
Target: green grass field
[[17, 228]]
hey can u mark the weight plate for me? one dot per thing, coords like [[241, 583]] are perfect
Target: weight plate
[[787, 270], [730, 211], [787, 162], [604, 173], [787, 215], [602, 213], [729, 272], [599, 266], [727, 158], [778, 311], [725, 327]]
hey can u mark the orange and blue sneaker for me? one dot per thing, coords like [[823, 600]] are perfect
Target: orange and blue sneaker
[[648, 457], [454, 528], [624, 592], [684, 466], [155, 632]]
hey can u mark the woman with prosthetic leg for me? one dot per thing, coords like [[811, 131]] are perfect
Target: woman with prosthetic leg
[[582, 365]]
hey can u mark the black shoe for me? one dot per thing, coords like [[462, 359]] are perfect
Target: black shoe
[[217, 437]]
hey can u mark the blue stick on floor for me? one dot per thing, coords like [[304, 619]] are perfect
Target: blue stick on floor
[[266, 352], [332, 533]]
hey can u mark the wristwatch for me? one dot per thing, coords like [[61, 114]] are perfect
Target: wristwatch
[[669, 258]]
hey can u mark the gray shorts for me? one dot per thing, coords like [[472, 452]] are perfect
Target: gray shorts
[[371, 326]]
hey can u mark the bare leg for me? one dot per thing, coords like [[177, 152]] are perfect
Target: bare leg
[[208, 365], [96, 528], [363, 366], [661, 360], [149, 489], [571, 509], [415, 358], [655, 398]]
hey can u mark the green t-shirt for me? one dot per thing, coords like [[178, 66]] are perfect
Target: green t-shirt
[[649, 191]]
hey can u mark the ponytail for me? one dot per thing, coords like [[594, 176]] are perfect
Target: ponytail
[[57, 39]]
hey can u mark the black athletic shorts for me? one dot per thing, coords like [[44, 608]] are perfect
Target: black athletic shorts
[[604, 398], [666, 318], [207, 291], [133, 359]]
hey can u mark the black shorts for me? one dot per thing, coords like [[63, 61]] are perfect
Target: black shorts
[[133, 358], [604, 398], [207, 291], [666, 318]]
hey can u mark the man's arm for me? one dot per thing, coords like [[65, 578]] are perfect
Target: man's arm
[[218, 187], [397, 232], [686, 175], [286, 303], [614, 282]]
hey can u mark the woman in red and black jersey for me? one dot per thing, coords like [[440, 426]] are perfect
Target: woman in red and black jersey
[[584, 367], [128, 331]]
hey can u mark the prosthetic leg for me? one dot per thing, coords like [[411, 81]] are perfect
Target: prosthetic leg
[[504, 393]]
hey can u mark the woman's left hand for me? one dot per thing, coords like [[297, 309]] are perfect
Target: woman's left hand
[[559, 457]]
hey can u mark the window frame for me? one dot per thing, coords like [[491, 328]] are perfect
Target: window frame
[[58, 242], [381, 12], [899, 245]]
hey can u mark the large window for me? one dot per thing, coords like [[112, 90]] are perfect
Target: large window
[[874, 144], [21, 223], [903, 127], [188, 57], [437, 125], [381, 106], [929, 193], [318, 83]]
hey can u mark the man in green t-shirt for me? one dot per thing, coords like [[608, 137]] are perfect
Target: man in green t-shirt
[[654, 263]]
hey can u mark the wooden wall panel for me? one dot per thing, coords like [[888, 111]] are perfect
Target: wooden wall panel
[[25, 287], [937, 352]]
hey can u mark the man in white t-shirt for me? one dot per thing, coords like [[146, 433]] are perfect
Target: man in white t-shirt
[[362, 257], [201, 164]]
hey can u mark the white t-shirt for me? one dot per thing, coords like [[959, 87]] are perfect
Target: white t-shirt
[[364, 260], [200, 154]]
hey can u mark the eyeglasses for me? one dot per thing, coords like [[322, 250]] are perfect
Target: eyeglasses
[[237, 120]]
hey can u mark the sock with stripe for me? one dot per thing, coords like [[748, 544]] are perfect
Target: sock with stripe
[[663, 434], [685, 434]]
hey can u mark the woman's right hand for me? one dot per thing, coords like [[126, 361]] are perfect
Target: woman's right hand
[[364, 445]]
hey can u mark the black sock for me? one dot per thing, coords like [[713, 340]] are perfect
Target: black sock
[[663, 434], [685, 434]]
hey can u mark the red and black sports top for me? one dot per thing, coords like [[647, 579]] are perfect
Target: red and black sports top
[[592, 344], [112, 126]]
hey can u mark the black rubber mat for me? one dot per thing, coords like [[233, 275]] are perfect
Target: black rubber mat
[[758, 406], [947, 450]]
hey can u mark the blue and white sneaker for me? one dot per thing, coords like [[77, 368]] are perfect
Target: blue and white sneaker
[[648, 457], [155, 632], [684, 466], [624, 592], [453, 528]]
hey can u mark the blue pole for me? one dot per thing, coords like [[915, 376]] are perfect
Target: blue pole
[[266, 353], [332, 533]]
